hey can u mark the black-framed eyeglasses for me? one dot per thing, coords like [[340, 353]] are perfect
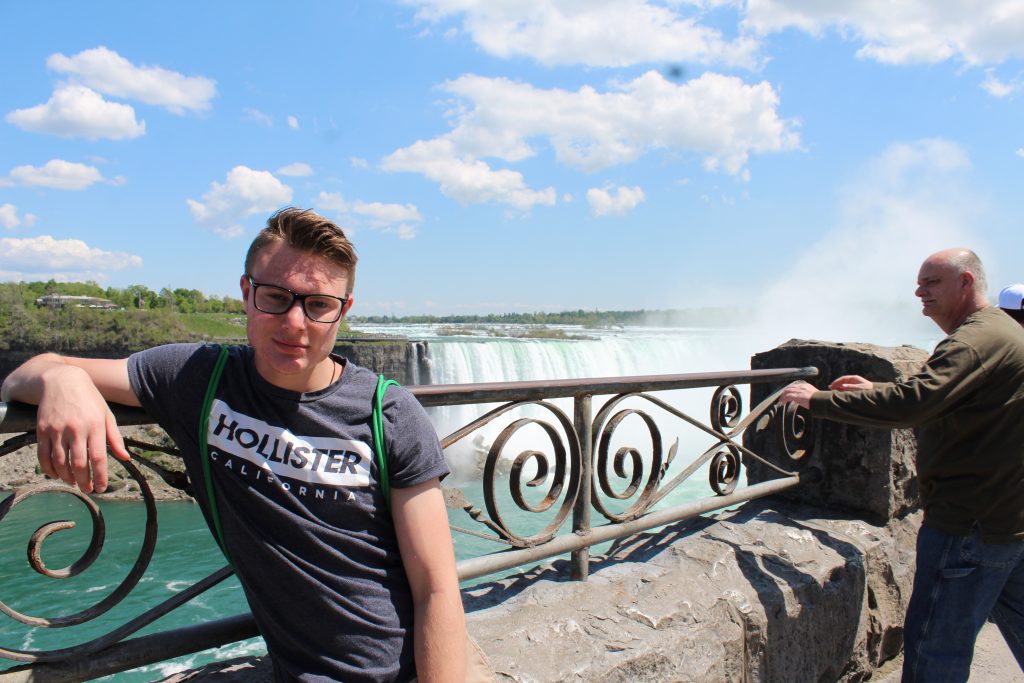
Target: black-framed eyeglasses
[[320, 308]]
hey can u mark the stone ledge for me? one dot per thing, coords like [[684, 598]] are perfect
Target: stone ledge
[[768, 592]]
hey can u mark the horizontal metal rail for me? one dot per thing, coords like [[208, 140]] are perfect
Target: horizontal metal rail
[[19, 417], [581, 470]]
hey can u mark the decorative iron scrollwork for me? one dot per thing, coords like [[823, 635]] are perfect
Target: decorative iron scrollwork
[[559, 471], [726, 408], [87, 558], [628, 464], [796, 432], [724, 471]]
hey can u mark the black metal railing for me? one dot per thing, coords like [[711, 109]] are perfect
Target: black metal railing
[[584, 465]]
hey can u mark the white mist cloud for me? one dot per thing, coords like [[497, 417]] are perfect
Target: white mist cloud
[[906, 32], [614, 201], [293, 123], [108, 72], [608, 33], [57, 174], [856, 283], [44, 255], [244, 192], [298, 169], [77, 111]]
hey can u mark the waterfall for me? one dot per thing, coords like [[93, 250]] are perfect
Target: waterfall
[[604, 353]]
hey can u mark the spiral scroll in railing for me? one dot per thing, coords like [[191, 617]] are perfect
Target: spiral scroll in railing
[[796, 432], [559, 472], [628, 464], [726, 408], [95, 547]]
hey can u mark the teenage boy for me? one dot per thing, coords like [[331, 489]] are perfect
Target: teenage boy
[[344, 585]]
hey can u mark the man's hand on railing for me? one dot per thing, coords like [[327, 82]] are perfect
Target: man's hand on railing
[[73, 427], [799, 393], [73, 422], [851, 383]]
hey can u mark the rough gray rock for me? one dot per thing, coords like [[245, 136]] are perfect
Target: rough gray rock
[[768, 592]]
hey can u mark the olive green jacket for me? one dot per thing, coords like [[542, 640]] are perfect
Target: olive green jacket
[[968, 405]]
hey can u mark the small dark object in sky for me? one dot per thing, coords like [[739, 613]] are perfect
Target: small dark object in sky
[[675, 72]]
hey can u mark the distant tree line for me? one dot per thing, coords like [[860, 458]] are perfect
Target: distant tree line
[[144, 318]]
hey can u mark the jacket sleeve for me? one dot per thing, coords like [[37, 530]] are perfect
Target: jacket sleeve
[[946, 382]]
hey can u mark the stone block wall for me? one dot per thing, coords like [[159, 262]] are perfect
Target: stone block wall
[[866, 471]]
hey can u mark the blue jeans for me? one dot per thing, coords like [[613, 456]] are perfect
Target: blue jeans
[[958, 584]]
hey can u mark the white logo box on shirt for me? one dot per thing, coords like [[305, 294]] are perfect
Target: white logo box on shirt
[[323, 461]]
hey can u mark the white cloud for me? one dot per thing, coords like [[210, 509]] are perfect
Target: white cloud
[[1020, 152], [293, 123], [908, 202], [298, 169], [998, 88], [77, 111], [609, 33], [9, 216], [718, 117], [331, 201], [396, 218], [44, 254], [380, 214], [244, 192], [905, 32], [358, 162], [609, 202], [406, 232], [108, 72], [58, 174], [258, 116], [465, 178]]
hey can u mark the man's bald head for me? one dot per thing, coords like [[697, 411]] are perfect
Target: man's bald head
[[951, 285]]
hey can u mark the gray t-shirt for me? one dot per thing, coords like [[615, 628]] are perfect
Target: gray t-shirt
[[302, 513]]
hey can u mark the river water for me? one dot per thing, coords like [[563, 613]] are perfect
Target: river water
[[186, 552]]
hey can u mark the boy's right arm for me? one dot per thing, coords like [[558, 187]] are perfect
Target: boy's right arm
[[74, 423]]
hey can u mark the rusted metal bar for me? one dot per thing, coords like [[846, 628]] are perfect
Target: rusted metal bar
[[136, 652], [492, 392], [19, 417], [582, 417], [495, 562]]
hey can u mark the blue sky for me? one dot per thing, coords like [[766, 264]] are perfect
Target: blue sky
[[499, 155]]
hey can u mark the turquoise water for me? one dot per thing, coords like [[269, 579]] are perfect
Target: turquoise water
[[185, 553]]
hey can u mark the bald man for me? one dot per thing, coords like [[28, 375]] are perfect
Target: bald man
[[968, 405]]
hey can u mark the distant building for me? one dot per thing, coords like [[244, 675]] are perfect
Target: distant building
[[61, 300]]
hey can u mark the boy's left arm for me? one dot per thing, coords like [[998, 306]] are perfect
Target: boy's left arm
[[425, 543]]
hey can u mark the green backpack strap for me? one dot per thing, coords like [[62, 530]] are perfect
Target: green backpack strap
[[204, 455], [378, 436]]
